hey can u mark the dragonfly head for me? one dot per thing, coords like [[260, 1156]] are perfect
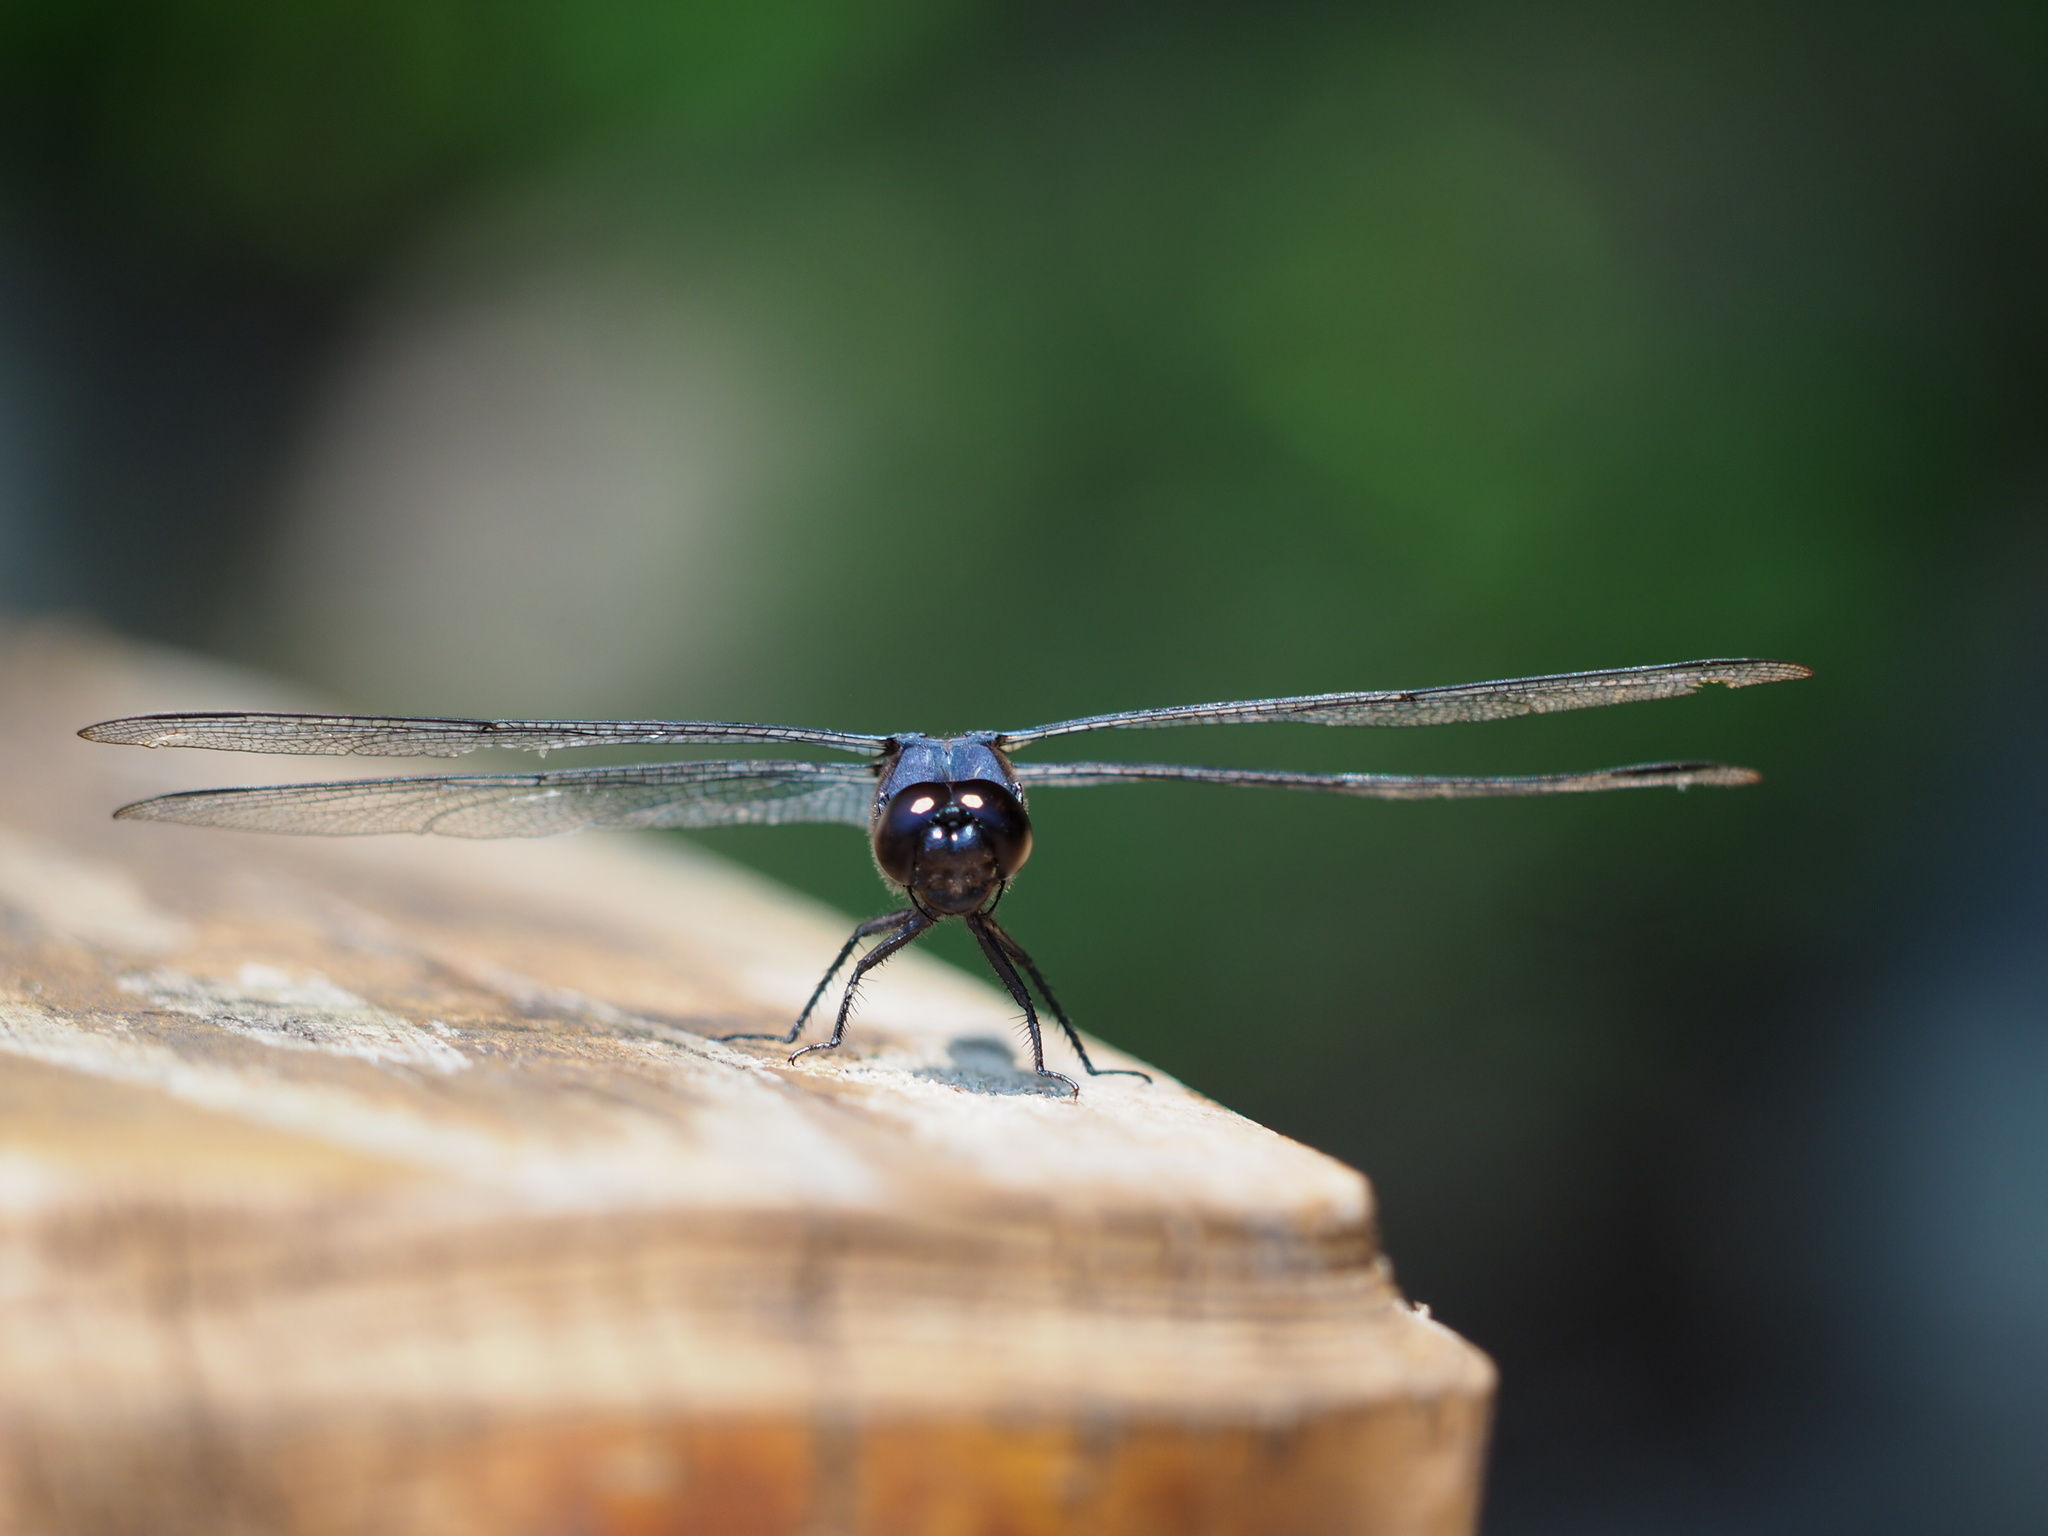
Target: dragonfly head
[[953, 845]]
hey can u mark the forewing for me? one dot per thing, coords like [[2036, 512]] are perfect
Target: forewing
[[1392, 786], [1442, 706], [535, 804], [400, 736]]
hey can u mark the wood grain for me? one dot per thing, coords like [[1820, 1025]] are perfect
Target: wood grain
[[395, 1185]]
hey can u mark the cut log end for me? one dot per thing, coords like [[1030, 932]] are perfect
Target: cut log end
[[400, 1185]]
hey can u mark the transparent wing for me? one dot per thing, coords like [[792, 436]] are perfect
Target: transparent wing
[[1392, 786], [399, 736], [535, 804], [1442, 706]]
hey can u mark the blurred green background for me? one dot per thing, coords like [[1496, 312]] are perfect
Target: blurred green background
[[940, 364]]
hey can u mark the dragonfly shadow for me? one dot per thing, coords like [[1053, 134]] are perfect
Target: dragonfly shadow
[[985, 1064]]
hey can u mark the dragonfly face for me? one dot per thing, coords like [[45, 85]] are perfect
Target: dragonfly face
[[952, 846], [945, 815], [949, 824]]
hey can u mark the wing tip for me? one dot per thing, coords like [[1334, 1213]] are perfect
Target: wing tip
[[164, 808], [1750, 671], [1704, 775], [140, 731]]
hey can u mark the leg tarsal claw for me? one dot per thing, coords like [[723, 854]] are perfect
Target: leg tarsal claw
[[1012, 950]]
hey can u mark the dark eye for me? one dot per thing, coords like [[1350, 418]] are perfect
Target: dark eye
[[910, 811], [1001, 819]]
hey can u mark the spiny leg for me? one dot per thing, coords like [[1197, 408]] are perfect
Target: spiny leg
[[1016, 952], [915, 923], [984, 933], [868, 929]]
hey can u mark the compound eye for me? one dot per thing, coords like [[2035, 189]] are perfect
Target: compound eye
[[902, 826], [1001, 819]]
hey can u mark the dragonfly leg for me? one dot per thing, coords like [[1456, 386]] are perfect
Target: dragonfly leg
[[1016, 952], [913, 923], [984, 933], [868, 929]]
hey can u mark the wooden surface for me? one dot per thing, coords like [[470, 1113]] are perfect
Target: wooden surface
[[392, 1185]]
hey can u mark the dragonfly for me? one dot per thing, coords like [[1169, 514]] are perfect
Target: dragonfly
[[946, 816]]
